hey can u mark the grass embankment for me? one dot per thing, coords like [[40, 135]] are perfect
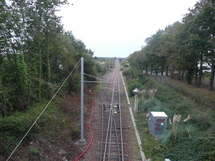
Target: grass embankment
[[53, 136], [192, 140]]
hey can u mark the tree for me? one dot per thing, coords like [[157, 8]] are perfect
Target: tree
[[155, 56], [203, 34], [42, 27], [36, 54]]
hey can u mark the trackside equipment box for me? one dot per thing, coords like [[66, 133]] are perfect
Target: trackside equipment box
[[157, 122]]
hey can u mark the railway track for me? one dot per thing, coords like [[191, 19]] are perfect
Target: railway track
[[110, 132]]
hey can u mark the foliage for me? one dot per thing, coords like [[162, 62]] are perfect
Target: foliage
[[37, 54], [132, 85], [33, 151], [58, 125], [186, 138], [14, 127], [182, 49]]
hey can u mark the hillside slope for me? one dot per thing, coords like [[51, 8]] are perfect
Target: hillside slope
[[192, 139], [52, 138]]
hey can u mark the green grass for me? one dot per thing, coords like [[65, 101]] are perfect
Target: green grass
[[13, 128], [192, 140], [56, 122]]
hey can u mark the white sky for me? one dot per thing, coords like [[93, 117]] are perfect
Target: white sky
[[117, 28]]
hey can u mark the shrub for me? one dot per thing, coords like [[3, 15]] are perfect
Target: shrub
[[134, 84], [13, 128], [205, 145], [33, 151], [149, 105], [126, 73]]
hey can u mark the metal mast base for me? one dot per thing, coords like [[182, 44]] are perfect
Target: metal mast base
[[81, 142]]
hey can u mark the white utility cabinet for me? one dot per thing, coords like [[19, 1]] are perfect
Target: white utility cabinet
[[157, 122]]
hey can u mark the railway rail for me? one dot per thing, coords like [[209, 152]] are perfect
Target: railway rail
[[110, 143]]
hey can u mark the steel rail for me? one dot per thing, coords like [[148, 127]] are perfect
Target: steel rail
[[114, 125], [108, 133], [102, 118], [102, 126], [117, 140], [120, 115], [111, 140], [120, 122]]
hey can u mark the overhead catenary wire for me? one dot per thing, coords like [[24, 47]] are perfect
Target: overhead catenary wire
[[42, 112], [93, 77]]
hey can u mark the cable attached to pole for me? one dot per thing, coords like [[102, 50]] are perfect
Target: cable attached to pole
[[42, 111]]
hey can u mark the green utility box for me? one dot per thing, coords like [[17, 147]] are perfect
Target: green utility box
[[157, 122]]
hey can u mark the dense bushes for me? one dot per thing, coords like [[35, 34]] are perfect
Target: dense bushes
[[13, 128]]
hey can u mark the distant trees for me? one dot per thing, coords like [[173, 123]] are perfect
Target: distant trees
[[183, 47], [36, 54], [203, 30]]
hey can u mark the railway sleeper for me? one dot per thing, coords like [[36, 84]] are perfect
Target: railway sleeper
[[112, 148], [125, 155], [113, 143], [111, 159], [105, 107]]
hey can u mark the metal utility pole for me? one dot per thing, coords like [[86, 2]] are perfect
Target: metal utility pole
[[82, 141]]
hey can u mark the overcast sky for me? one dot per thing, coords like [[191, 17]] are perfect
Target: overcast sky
[[117, 28]]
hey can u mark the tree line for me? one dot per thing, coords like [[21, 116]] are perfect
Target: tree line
[[36, 53], [186, 48]]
